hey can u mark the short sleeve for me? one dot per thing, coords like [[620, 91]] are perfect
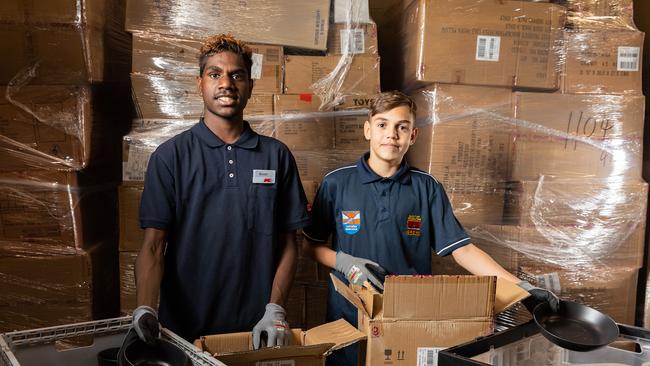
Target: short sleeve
[[292, 207], [157, 204], [322, 214], [448, 233]]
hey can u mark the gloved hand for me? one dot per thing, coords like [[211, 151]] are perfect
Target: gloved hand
[[540, 294], [356, 272], [274, 324], [145, 323]]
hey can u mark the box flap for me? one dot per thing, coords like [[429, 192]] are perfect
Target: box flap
[[225, 343], [507, 295], [348, 294], [339, 332], [274, 353], [439, 297]]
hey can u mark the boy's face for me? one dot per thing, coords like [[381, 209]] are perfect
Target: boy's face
[[225, 85], [390, 134]]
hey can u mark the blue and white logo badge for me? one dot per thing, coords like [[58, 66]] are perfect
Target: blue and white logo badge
[[351, 221]]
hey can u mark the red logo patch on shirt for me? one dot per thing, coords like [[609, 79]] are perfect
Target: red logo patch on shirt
[[413, 225]]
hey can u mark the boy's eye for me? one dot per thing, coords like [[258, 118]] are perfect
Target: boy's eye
[[404, 128], [381, 124], [214, 75], [238, 77]]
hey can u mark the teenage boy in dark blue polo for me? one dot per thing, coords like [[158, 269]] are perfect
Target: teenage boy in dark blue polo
[[220, 208], [381, 211]]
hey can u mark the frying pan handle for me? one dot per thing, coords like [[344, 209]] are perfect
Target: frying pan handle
[[130, 338]]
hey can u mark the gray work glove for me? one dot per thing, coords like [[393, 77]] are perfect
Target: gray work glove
[[356, 271], [275, 326], [146, 325], [541, 295]]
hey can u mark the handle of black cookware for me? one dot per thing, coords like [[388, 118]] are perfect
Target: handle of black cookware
[[130, 337], [379, 272]]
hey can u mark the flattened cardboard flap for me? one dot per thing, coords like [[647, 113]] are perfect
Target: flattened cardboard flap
[[507, 295], [348, 294], [439, 297], [339, 332]]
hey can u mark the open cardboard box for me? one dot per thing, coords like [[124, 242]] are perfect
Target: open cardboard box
[[308, 348], [418, 315]]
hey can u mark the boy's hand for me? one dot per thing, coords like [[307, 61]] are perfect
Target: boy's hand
[[541, 294], [356, 272], [273, 323], [145, 323]]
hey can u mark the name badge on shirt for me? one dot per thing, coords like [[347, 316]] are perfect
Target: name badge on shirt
[[263, 176]]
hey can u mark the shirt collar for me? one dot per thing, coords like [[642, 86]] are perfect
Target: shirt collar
[[367, 175], [247, 140]]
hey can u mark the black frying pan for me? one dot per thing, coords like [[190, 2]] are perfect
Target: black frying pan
[[575, 326], [134, 352]]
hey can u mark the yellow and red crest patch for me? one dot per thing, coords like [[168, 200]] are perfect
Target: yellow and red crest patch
[[413, 225]]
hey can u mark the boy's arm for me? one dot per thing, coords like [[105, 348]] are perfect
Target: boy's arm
[[480, 263], [286, 268], [320, 252]]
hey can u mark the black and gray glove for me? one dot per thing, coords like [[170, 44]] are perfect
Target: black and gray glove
[[356, 270], [540, 295], [146, 325], [275, 326]]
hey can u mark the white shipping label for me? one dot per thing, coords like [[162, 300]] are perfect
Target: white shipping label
[[135, 167], [276, 363], [256, 70], [487, 48], [428, 356], [263, 176], [628, 59], [549, 281], [352, 41], [356, 11]]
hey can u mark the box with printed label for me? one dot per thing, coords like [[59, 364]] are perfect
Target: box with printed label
[[308, 348], [602, 62], [296, 23], [349, 123], [407, 324], [352, 40], [297, 124], [493, 42], [577, 136]]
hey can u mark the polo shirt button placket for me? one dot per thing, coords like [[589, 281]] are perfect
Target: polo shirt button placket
[[230, 167]]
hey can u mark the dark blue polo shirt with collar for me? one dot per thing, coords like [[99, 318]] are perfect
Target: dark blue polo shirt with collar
[[393, 221], [223, 206]]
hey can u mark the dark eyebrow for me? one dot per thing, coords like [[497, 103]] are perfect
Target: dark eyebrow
[[217, 68], [380, 119]]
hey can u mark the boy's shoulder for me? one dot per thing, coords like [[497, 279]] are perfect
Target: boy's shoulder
[[421, 175], [341, 172]]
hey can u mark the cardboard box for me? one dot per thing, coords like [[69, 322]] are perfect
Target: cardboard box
[[302, 24], [177, 97], [349, 120], [309, 348], [58, 127], [602, 62], [128, 300], [497, 43], [69, 12], [361, 78], [174, 57], [601, 14], [314, 164], [357, 39], [131, 235], [607, 289], [577, 136], [298, 126], [407, 318], [63, 55], [41, 289]]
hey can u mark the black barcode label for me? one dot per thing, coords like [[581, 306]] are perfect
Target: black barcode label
[[549, 281], [276, 363], [352, 41], [628, 59], [487, 48], [273, 54], [427, 356]]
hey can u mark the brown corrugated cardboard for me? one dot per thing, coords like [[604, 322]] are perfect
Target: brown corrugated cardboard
[[364, 39], [309, 347], [314, 164], [315, 305], [174, 57], [349, 124], [128, 301], [69, 12], [407, 317], [301, 72], [578, 136], [299, 130], [131, 235], [608, 15], [602, 62], [499, 43], [302, 24]]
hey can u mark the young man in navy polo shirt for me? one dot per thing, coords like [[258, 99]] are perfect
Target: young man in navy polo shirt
[[220, 208], [382, 212]]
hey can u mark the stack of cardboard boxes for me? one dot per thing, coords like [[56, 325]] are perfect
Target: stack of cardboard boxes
[[285, 104], [64, 93], [531, 115]]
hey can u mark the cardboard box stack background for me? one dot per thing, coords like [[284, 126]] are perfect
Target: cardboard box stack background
[[311, 96], [531, 115], [64, 84]]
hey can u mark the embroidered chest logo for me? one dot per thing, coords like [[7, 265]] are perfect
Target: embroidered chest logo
[[413, 225], [351, 221]]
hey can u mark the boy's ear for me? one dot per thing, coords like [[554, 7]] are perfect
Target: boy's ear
[[414, 135], [366, 130]]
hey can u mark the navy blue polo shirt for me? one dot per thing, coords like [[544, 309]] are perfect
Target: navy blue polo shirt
[[223, 207], [393, 221]]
